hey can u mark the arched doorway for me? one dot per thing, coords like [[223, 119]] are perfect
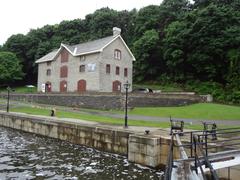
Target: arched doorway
[[63, 86], [48, 86], [116, 87], [82, 85]]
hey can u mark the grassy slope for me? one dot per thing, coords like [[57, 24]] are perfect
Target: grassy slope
[[196, 111]]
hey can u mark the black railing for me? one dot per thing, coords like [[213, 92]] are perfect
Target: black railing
[[203, 144], [169, 164], [198, 162]]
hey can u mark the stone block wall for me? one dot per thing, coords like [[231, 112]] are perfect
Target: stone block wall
[[142, 149], [149, 150], [105, 139], [108, 101]]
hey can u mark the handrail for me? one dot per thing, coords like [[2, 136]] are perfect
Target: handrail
[[230, 132], [207, 162], [205, 138], [200, 143], [200, 131], [169, 164], [201, 169]]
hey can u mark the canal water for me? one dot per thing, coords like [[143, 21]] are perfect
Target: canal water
[[29, 156]]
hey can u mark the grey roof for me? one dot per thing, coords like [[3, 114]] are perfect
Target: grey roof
[[48, 56], [84, 48], [79, 49], [90, 46]]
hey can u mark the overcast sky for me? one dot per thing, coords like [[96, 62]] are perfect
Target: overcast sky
[[19, 16]]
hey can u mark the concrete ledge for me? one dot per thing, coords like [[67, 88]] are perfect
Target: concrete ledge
[[144, 150]]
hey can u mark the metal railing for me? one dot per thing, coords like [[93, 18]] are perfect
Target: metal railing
[[169, 164], [201, 145], [197, 160]]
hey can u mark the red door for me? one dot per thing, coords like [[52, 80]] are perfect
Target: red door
[[82, 85], [63, 86], [116, 87], [48, 87]]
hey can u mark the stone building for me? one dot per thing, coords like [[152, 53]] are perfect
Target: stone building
[[102, 65]]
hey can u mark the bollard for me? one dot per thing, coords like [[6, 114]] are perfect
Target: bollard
[[53, 112]]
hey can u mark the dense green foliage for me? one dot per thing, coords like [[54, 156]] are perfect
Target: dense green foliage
[[10, 68], [196, 45]]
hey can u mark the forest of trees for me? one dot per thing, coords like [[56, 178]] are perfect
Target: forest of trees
[[195, 45]]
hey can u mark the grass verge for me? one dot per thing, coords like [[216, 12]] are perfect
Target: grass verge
[[101, 119], [208, 111], [22, 89]]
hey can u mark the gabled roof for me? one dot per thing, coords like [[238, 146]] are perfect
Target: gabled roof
[[84, 48], [48, 57]]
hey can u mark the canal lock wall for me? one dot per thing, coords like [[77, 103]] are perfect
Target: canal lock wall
[[148, 150]]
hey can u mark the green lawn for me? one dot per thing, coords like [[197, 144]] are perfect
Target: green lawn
[[208, 111], [22, 89], [100, 119]]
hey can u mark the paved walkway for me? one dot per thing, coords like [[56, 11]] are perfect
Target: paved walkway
[[121, 116]]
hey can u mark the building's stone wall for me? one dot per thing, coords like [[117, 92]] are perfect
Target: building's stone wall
[[91, 78], [106, 80], [73, 64], [95, 81], [107, 101]]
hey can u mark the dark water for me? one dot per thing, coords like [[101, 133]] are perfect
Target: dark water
[[27, 156]]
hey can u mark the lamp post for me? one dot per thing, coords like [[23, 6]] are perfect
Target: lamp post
[[8, 97], [126, 87]]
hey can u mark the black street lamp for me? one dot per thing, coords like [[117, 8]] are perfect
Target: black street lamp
[[8, 97], [126, 87]]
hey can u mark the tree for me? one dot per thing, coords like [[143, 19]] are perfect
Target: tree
[[197, 45], [147, 55], [101, 22], [10, 68], [147, 19], [174, 50]]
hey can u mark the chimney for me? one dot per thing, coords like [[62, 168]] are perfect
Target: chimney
[[116, 31]]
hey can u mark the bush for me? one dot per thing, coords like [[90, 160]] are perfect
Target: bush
[[233, 97], [205, 87], [219, 93]]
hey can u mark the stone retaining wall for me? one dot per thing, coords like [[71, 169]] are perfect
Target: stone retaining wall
[[150, 150], [108, 101], [101, 138], [143, 149]]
